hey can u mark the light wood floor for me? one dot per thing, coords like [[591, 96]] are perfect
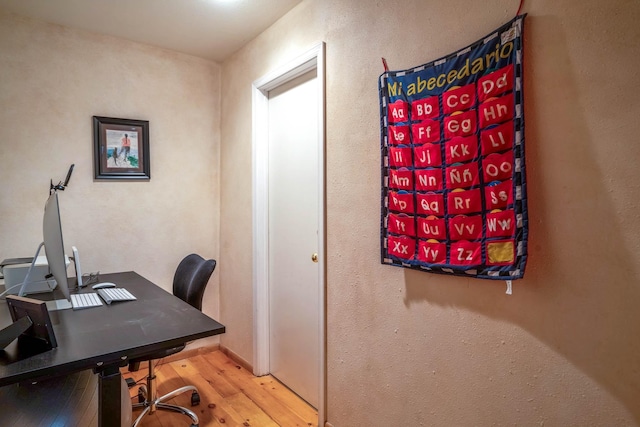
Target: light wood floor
[[230, 395]]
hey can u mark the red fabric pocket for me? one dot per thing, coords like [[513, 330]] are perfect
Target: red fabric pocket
[[398, 112], [429, 180], [460, 124], [498, 167], [496, 111], [463, 227], [461, 149], [402, 224], [501, 224], [426, 131], [401, 247], [427, 155], [432, 228], [401, 202], [399, 135], [497, 139], [498, 196], [466, 253], [400, 156], [464, 202], [401, 179], [459, 99], [430, 204], [496, 83], [463, 176], [425, 108], [432, 252]]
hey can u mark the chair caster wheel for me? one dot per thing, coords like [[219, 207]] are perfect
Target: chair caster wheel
[[142, 394], [195, 398]]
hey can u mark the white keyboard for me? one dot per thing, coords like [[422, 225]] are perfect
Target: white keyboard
[[110, 295], [87, 300]]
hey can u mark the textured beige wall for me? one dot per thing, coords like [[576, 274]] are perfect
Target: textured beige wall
[[52, 81], [408, 348]]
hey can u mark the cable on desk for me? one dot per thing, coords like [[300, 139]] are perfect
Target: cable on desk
[[144, 378], [7, 290], [91, 278]]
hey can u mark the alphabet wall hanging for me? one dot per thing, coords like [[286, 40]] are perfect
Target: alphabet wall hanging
[[453, 171]]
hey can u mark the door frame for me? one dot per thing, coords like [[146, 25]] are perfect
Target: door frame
[[314, 58]]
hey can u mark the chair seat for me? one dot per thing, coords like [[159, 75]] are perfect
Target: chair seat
[[189, 282], [134, 364]]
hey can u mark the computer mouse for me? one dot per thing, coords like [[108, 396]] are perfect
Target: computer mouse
[[104, 285]]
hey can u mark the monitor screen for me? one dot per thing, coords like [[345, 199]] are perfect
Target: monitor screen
[[53, 244]]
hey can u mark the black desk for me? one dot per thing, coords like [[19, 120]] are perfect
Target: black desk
[[105, 338]]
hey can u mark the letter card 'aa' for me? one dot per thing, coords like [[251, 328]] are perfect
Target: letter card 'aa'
[[453, 170]]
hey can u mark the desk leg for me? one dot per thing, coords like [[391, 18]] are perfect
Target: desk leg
[[109, 400]]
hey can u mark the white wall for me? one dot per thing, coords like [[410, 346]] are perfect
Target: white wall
[[408, 348], [52, 81], [404, 347]]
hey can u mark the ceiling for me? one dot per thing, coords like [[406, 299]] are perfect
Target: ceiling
[[211, 29]]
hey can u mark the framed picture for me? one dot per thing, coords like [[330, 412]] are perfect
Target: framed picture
[[121, 148], [37, 325]]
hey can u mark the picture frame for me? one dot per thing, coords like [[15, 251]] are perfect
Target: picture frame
[[35, 316], [121, 149]]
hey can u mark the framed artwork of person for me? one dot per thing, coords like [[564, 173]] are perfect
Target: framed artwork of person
[[121, 148]]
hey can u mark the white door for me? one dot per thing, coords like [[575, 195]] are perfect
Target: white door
[[293, 235]]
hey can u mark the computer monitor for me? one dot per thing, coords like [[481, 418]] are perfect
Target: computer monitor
[[54, 248], [53, 244]]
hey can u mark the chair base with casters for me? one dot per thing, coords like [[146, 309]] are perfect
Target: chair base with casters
[[147, 399], [189, 282]]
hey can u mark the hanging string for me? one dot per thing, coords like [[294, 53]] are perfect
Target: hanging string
[[384, 63], [519, 7]]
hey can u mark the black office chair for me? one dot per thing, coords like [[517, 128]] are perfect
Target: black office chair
[[189, 283]]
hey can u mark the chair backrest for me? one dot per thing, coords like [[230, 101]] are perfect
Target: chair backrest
[[191, 278]]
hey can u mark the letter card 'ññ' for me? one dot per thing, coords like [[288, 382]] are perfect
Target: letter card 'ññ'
[[453, 171]]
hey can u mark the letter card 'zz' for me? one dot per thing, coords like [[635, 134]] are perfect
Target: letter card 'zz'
[[453, 170]]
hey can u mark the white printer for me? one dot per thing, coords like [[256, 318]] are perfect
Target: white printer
[[14, 274]]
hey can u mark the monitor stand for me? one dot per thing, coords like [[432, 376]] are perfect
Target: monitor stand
[[26, 281], [54, 305], [58, 304]]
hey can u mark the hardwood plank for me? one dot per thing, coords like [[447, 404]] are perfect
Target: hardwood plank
[[230, 395], [291, 400], [213, 407], [266, 401], [89, 415], [68, 400], [215, 376], [255, 417], [171, 376], [167, 381], [234, 401]]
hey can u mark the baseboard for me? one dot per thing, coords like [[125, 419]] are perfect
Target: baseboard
[[184, 354], [236, 358], [191, 352], [187, 353], [328, 424]]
